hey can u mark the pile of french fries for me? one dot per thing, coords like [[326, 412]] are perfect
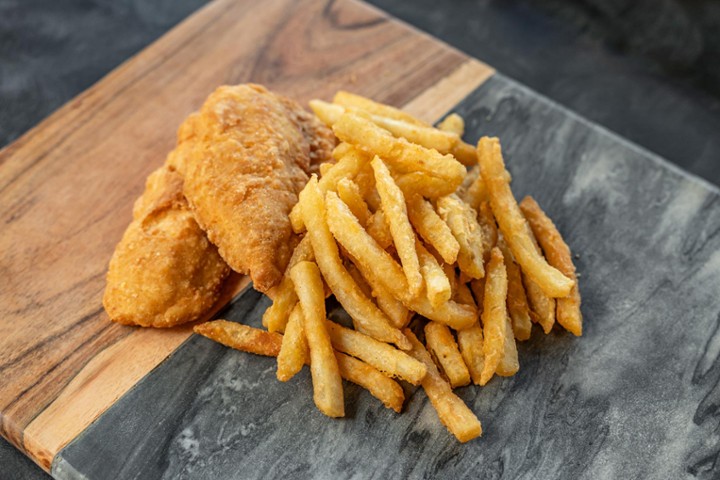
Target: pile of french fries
[[398, 229]]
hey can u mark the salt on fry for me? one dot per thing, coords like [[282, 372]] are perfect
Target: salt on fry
[[442, 347], [437, 284], [494, 315], [378, 267], [432, 228], [558, 254], [349, 192], [294, 350], [351, 100], [513, 225], [389, 360], [393, 205], [327, 382], [463, 224], [453, 413], [365, 314], [517, 303]]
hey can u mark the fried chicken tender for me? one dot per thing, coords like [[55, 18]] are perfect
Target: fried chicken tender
[[164, 271], [247, 154]]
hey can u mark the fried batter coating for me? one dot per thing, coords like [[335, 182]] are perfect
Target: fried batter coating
[[248, 153], [164, 271]]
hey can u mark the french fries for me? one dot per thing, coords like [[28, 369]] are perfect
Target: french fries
[[351, 100], [379, 267], [364, 313], [428, 137], [349, 164], [293, 352], [558, 254], [327, 382], [432, 228], [470, 341], [276, 316], [494, 315], [241, 337], [442, 347], [517, 303], [437, 284], [462, 221], [512, 223], [453, 412], [382, 356], [253, 340], [403, 156], [393, 204], [397, 230]]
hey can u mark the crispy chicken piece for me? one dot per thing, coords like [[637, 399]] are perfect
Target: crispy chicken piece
[[164, 271], [247, 154]]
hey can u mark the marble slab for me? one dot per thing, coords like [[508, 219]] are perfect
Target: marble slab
[[636, 397]]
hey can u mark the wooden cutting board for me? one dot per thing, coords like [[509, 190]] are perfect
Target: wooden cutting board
[[67, 186]]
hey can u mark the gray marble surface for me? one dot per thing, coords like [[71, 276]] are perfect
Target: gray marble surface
[[636, 397]]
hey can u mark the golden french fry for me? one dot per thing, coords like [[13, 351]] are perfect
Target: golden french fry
[[359, 279], [453, 413], [351, 162], [432, 228], [463, 224], [365, 180], [366, 316], [349, 193], [391, 361], [341, 150], [477, 286], [325, 168], [470, 341], [465, 153], [253, 340], [486, 220], [558, 254], [294, 350], [428, 137], [403, 156], [392, 307], [442, 346], [437, 284], [509, 364], [464, 295], [379, 230], [517, 303], [393, 205], [419, 183], [276, 316], [453, 123], [474, 191], [494, 315], [351, 100], [378, 384], [542, 307], [327, 382], [513, 225], [379, 268], [241, 337], [452, 278]]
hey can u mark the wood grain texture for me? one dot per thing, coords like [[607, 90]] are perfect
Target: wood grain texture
[[67, 187]]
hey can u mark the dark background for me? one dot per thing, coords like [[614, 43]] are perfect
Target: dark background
[[648, 70]]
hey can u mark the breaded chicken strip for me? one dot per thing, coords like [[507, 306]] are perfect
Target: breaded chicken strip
[[164, 271], [246, 156]]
